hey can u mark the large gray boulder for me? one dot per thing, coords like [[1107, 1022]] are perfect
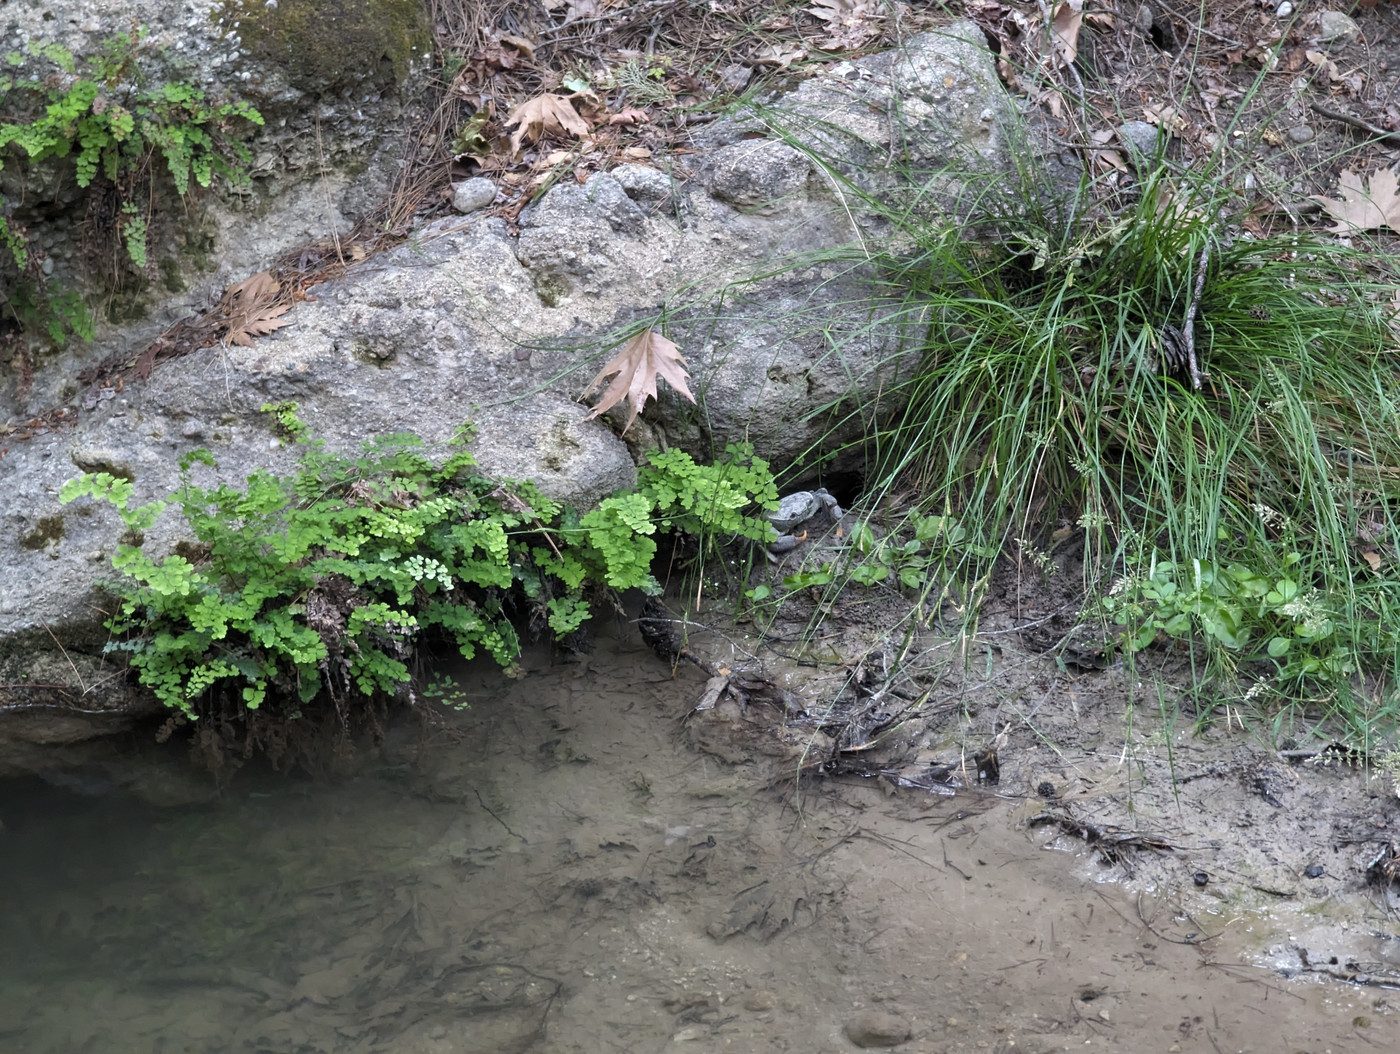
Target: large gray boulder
[[472, 320], [334, 82]]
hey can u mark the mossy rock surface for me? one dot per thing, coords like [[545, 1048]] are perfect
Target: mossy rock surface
[[324, 47]]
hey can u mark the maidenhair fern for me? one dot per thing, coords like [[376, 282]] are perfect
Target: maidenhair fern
[[322, 581]]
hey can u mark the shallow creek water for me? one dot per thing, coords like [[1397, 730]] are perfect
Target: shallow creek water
[[558, 871]]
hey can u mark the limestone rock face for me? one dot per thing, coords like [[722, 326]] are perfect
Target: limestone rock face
[[334, 82], [757, 172], [473, 320]]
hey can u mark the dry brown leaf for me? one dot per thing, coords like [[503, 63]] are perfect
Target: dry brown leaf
[[582, 9], [520, 44], [1325, 65], [1105, 157], [831, 10], [781, 55], [1363, 207], [850, 23], [641, 360], [1165, 116], [845, 12], [629, 115], [1064, 29], [1372, 557], [546, 114], [250, 309]]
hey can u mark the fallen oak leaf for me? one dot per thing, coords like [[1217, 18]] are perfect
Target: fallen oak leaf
[[641, 360], [1364, 207], [546, 114], [250, 309]]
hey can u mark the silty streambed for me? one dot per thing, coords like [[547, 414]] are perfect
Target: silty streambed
[[559, 871]]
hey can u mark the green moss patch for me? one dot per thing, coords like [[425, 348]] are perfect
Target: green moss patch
[[48, 531], [326, 46]]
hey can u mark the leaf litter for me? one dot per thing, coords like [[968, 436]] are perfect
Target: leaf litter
[[251, 309]]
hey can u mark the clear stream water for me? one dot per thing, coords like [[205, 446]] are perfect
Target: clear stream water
[[559, 871]]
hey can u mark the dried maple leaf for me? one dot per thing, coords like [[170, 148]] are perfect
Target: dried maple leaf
[[1364, 208], [641, 360], [546, 114], [251, 310]]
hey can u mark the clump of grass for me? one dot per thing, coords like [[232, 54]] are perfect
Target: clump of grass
[[1254, 518]]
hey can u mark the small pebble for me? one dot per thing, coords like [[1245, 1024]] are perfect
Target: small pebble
[[1285, 9], [473, 194], [1141, 139], [1313, 870], [760, 1000], [875, 1028], [1301, 133], [1334, 27]]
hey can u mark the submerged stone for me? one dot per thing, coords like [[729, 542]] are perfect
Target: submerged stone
[[876, 1028]]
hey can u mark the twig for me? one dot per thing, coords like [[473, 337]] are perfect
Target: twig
[[81, 683], [1190, 327], [952, 866], [1192, 941], [1356, 122], [15, 708], [493, 816], [551, 35]]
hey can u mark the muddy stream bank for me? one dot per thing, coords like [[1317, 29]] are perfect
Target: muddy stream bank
[[560, 870]]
